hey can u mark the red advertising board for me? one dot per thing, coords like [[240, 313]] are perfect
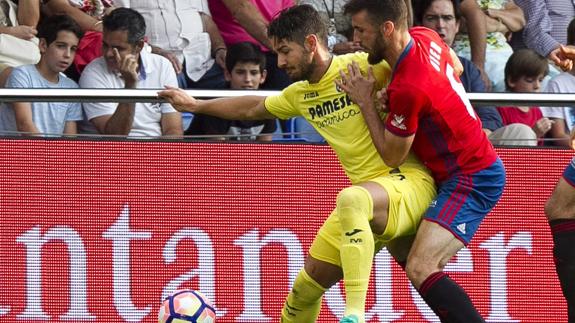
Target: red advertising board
[[94, 231]]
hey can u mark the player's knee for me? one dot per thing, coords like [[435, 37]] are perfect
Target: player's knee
[[553, 209], [355, 198], [418, 269]]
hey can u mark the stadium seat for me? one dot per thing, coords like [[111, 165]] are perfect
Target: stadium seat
[[303, 130]]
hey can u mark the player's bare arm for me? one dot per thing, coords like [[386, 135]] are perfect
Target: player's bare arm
[[249, 107], [392, 149]]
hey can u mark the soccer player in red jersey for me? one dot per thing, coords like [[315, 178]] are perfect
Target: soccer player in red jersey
[[428, 112]]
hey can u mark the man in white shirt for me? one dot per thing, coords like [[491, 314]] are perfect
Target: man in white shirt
[[183, 31], [124, 64]]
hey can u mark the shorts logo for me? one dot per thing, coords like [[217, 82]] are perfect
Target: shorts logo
[[433, 203], [398, 122], [354, 232], [461, 228]]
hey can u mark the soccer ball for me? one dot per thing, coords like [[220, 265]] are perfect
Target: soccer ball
[[185, 306]]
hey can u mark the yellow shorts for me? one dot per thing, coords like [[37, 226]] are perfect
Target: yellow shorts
[[410, 193]]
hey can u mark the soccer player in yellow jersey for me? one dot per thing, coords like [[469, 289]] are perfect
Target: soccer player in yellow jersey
[[383, 207]]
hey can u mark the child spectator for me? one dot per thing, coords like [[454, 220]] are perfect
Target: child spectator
[[59, 36], [245, 70], [247, 20], [88, 14], [524, 73]]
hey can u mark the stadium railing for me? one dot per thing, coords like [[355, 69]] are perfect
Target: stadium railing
[[293, 132]]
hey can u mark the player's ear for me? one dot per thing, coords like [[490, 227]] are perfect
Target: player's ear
[[311, 42], [387, 28]]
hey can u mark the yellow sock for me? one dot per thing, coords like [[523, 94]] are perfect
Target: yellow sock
[[355, 210], [304, 300]]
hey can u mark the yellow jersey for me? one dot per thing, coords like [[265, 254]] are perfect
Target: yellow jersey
[[340, 121]]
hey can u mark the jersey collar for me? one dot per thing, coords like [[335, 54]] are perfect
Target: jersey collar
[[402, 56]]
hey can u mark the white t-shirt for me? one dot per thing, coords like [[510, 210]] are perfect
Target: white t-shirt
[[48, 117], [562, 83], [155, 72]]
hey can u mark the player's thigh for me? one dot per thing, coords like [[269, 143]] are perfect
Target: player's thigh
[[561, 204], [399, 248], [433, 247], [380, 201], [409, 195]]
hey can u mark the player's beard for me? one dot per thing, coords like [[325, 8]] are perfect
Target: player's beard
[[305, 70], [375, 55]]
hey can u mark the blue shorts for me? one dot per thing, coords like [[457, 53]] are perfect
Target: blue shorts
[[569, 173], [464, 200]]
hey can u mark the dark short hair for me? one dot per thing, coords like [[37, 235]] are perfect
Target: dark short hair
[[571, 33], [296, 23], [245, 52], [51, 26], [421, 6], [126, 19], [380, 11], [525, 62]]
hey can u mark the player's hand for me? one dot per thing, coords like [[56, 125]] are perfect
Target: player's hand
[[381, 102], [542, 126], [359, 88], [128, 68], [563, 57], [346, 47], [179, 99]]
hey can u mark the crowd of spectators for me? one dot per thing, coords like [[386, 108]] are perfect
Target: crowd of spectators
[[504, 45]]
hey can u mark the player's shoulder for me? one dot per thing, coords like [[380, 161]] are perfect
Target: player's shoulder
[[355, 56], [359, 57], [288, 94], [381, 69]]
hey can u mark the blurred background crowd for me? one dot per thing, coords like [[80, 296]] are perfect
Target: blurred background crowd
[[504, 45]]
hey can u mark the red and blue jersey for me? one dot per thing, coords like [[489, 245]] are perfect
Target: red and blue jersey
[[426, 98]]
